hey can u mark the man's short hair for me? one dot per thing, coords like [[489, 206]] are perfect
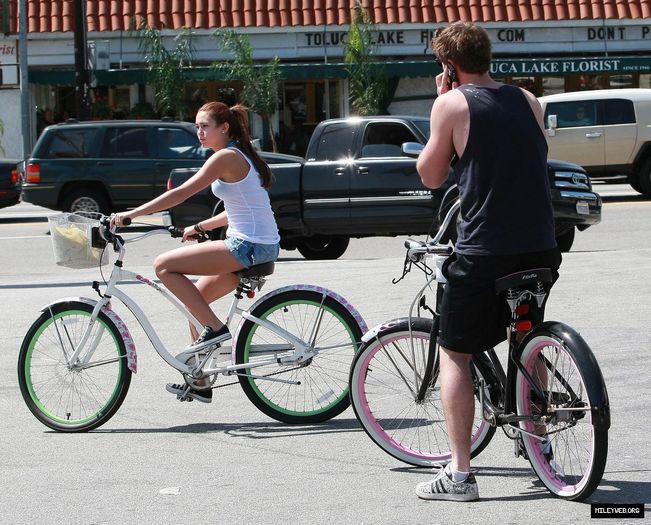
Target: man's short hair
[[466, 44]]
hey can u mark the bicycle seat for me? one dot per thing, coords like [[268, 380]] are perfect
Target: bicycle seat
[[257, 270], [523, 279]]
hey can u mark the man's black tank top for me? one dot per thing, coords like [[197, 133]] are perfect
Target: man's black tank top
[[502, 176]]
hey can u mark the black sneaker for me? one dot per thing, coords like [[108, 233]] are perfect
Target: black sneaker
[[185, 393], [209, 337], [443, 488]]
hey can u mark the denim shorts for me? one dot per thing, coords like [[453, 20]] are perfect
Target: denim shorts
[[250, 253]]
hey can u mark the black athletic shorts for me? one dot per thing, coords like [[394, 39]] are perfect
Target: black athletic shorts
[[473, 317]]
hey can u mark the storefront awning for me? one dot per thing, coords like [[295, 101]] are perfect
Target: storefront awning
[[297, 71], [397, 69]]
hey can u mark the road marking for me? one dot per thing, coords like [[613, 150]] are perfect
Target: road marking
[[626, 203], [23, 237]]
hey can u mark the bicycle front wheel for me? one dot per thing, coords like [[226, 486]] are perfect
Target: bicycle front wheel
[[309, 392], [566, 433], [66, 397], [385, 382]]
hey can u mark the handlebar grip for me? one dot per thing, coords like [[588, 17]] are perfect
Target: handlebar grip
[[126, 221], [175, 232], [412, 243]]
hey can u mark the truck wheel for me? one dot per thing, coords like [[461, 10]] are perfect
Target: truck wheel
[[566, 240], [86, 200], [644, 178], [323, 246]]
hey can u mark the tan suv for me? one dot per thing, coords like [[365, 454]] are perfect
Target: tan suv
[[608, 132]]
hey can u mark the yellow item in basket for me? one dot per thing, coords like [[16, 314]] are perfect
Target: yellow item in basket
[[71, 243], [72, 234]]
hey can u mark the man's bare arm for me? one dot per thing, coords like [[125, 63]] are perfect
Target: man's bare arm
[[434, 161]]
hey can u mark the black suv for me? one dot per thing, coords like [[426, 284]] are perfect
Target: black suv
[[109, 165]]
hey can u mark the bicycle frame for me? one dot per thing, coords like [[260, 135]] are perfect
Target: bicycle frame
[[302, 349], [504, 416]]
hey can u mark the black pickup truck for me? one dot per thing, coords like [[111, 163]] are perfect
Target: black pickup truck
[[357, 180], [9, 182]]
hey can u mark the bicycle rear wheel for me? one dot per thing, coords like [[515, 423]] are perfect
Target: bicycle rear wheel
[[574, 416], [72, 399], [320, 385], [385, 380]]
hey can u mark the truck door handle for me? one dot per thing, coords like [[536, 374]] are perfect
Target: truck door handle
[[340, 171], [362, 170], [104, 163], [594, 135]]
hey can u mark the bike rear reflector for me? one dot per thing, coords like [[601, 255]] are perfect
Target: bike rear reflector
[[523, 326], [522, 309], [250, 294]]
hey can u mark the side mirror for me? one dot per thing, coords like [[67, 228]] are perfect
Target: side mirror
[[411, 149], [552, 124]]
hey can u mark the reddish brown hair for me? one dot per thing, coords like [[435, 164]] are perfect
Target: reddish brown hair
[[238, 129]]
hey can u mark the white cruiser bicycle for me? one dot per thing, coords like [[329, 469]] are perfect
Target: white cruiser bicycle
[[291, 350]]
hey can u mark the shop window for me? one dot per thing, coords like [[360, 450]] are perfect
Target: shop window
[[531, 84], [645, 81], [621, 81], [552, 85]]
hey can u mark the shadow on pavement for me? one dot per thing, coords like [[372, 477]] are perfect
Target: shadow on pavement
[[250, 430]]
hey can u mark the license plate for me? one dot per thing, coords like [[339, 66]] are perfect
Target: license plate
[[582, 208]]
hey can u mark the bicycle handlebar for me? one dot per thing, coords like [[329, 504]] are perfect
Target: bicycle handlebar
[[416, 250], [107, 236]]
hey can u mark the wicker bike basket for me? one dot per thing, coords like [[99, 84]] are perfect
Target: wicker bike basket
[[71, 241]]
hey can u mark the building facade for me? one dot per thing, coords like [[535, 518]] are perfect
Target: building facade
[[545, 46]]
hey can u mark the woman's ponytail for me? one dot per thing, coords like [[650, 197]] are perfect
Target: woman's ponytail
[[239, 130]]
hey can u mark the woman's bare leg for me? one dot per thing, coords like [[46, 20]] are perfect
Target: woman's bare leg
[[205, 259], [211, 288]]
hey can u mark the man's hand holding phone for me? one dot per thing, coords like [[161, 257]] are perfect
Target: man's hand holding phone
[[447, 80]]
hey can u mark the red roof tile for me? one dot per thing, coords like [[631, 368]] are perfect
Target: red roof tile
[[115, 15]]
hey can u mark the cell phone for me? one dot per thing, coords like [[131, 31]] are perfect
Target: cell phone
[[452, 75]]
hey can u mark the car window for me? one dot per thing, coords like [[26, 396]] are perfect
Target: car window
[[125, 142], [619, 111], [336, 142], [178, 143], [423, 126], [574, 114], [384, 139], [70, 143]]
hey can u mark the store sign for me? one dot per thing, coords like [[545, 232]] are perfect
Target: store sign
[[8, 62], [523, 37], [559, 67]]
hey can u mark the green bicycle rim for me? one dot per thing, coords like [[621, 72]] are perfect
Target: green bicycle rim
[[262, 396], [28, 376]]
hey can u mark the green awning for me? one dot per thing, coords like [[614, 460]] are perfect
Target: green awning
[[294, 71], [397, 69]]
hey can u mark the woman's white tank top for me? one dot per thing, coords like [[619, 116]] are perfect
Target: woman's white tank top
[[247, 205]]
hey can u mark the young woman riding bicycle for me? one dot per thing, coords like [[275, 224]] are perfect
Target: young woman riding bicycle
[[238, 176]]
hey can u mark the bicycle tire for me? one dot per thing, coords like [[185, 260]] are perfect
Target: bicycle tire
[[562, 364], [72, 400], [384, 389], [323, 390]]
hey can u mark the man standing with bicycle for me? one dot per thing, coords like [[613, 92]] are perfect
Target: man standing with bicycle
[[495, 134]]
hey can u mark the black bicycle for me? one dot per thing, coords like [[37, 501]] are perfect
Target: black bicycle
[[551, 401]]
